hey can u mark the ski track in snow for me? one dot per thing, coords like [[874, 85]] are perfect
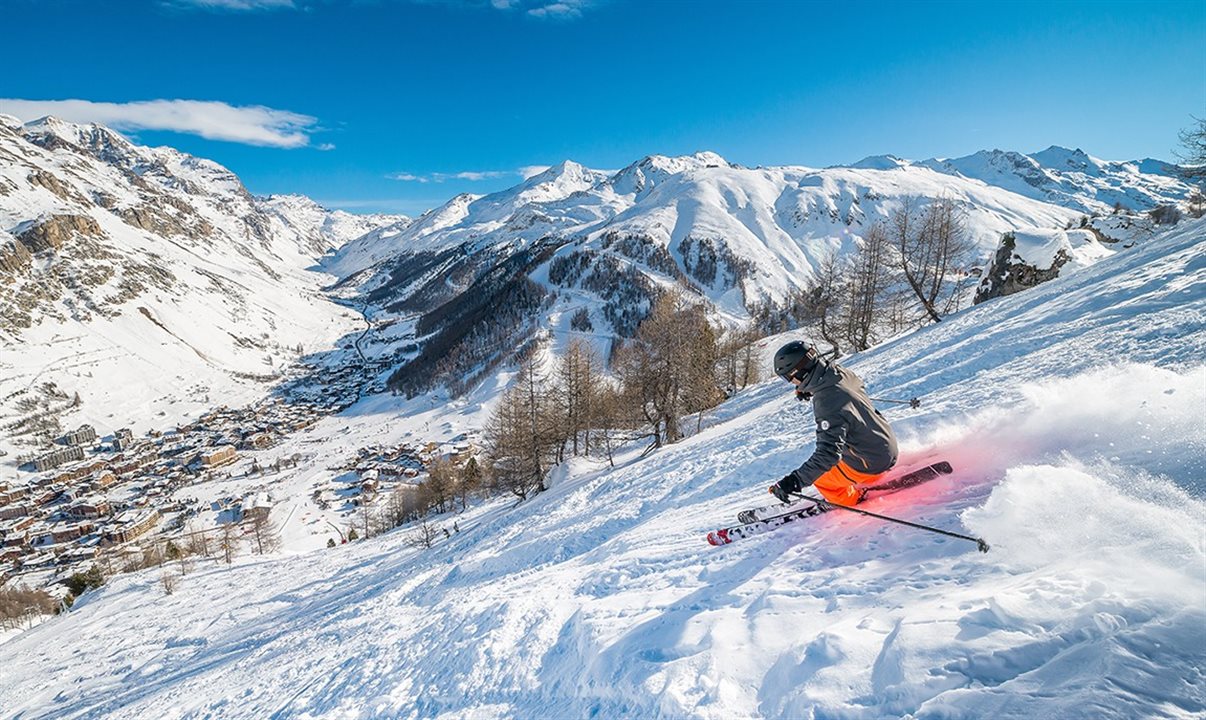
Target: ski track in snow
[[1073, 414]]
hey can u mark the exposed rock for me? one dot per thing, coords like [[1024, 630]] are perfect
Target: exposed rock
[[151, 219], [46, 180], [49, 233], [259, 227], [50, 141], [104, 199], [1009, 274], [14, 257]]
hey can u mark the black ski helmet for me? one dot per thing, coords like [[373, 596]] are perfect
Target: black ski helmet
[[794, 358]]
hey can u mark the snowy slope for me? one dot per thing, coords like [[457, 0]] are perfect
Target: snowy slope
[[150, 281], [1073, 414]]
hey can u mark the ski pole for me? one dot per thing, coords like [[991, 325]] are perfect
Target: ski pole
[[911, 402], [983, 546]]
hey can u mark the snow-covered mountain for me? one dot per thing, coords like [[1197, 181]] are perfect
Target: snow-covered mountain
[[570, 241], [1073, 417], [143, 278], [1072, 178]]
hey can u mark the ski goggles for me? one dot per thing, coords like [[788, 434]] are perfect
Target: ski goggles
[[790, 373]]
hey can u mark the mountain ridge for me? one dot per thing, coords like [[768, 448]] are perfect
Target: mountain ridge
[[105, 244], [742, 240]]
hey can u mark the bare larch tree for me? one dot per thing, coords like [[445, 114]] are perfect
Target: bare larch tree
[[933, 247]]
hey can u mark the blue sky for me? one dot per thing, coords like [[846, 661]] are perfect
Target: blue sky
[[397, 105]]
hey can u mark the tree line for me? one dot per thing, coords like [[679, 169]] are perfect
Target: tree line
[[909, 269], [21, 606], [675, 368]]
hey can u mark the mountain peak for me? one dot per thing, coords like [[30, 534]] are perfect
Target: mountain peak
[[672, 165], [101, 142], [710, 159], [880, 162], [564, 169], [1061, 158], [567, 165]]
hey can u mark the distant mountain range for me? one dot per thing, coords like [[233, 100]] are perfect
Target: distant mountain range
[[152, 257], [90, 222], [593, 248], [143, 277]]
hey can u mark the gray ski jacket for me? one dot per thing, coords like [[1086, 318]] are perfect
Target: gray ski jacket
[[848, 426]]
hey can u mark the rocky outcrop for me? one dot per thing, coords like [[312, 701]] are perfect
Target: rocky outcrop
[[14, 257], [147, 217], [90, 222], [1010, 274], [46, 180], [51, 232]]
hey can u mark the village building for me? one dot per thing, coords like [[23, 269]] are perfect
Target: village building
[[13, 493], [73, 473], [219, 456], [44, 496], [79, 554], [62, 533], [55, 458], [102, 480], [131, 524], [126, 467], [257, 507], [39, 559], [13, 525], [85, 434], [68, 494], [123, 439], [14, 510], [17, 538], [257, 441], [93, 507]]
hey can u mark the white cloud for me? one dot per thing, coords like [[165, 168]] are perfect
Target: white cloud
[[473, 175], [470, 175], [250, 125], [326, 146], [233, 5], [562, 10], [543, 9], [532, 170]]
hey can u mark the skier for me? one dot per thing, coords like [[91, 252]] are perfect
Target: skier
[[855, 445]]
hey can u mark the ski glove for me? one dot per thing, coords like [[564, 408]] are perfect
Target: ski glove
[[785, 487]]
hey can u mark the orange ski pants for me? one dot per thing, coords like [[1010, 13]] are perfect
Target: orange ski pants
[[838, 484]]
